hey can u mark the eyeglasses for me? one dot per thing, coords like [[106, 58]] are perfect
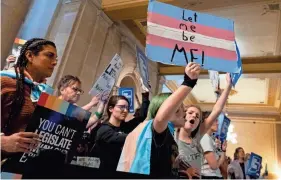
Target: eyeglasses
[[123, 107], [77, 90]]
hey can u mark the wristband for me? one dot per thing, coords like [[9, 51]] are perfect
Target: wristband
[[189, 82], [99, 115]]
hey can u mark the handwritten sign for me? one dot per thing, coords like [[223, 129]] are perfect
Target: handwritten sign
[[254, 166], [178, 36], [107, 80], [129, 94], [143, 67]]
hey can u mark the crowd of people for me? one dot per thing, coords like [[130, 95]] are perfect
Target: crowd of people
[[164, 139]]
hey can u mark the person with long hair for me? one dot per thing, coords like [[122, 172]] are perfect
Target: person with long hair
[[237, 168], [20, 91], [196, 125], [214, 156], [111, 134], [151, 149]]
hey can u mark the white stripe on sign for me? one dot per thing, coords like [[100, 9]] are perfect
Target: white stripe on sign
[[176, 34]]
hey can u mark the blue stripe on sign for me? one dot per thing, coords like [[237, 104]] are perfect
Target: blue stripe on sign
[[6, 175], [163, 55], [203, 19]]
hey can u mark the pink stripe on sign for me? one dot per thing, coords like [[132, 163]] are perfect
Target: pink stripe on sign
[[200, 29], [209, 51]]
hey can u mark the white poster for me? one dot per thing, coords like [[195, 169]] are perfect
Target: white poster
[[215, 79], [106, 81]]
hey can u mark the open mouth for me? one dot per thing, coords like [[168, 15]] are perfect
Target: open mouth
[[192, 121]]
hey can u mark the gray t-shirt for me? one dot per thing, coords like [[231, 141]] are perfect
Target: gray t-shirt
[[208, 144], [191, 153]]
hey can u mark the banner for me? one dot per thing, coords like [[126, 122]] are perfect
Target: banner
[[178, 36], [60, 126], [106, 81], [143, 67], [129, 94], [254, 166], [224, 123]]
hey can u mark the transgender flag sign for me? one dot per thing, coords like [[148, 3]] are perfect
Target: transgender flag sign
[[178, 36]]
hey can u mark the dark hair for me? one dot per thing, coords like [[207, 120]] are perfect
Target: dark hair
[[236, 152], [34, 45], [66, 81], [193, 133], [113, 101]]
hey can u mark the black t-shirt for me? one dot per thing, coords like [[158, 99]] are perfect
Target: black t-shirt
[[108, 147], [243, 169], [164, 151]]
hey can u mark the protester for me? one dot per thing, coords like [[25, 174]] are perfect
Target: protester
[[110, 136], [69, 89], [139, 116], [191, 153], [213, 158], [20, 91], [237, 168], [151, 149]]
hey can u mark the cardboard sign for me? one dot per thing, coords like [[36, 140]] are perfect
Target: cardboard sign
[[60, 126], [178, 36], [224, 123], [254, 166], [129, 94], [106, 81], [143, 66]]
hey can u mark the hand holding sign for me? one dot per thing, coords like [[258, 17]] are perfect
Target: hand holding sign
[[224, 146], [20, 142], [105, 96], [192, 70], [95, 100]]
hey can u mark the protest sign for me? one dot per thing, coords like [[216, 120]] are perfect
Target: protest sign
[[224, 123], [215, 79], [129, 94], [60, 126], [143, 67], [178, 36], [106, 81], [254, 166]]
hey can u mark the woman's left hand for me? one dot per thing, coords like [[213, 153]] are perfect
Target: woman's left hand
[[95, 100]]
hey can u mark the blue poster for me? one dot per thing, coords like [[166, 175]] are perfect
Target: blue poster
[[224, 123], [254, 166], [143, 66], [129, 94], [177, 36]]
